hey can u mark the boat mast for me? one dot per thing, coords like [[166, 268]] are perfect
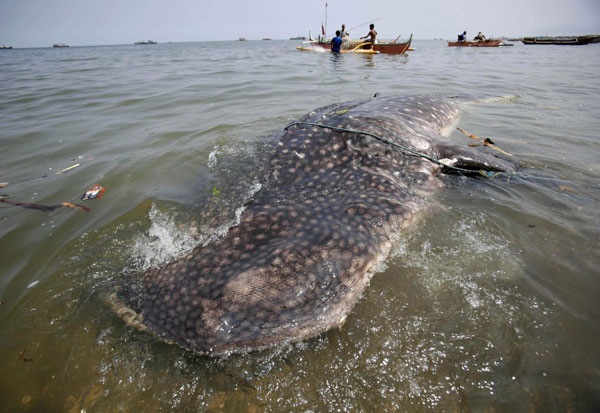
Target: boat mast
[[325, 34]]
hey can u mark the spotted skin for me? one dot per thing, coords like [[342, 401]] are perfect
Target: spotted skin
[[308, 242]]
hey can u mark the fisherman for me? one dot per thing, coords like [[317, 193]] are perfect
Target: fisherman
[[480, 36], [343, 32], [345, 36], [336, 42], [372, 33], [462, 37]]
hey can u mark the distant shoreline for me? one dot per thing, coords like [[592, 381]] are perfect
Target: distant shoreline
[[437, 38]]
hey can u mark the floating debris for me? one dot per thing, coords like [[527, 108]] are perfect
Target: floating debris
[[215, 191], [68, 169], [46, 208], [95, 191], [21, 356], [71, 205], [486, 141], [3, 184], [341, 112], [565, 188]]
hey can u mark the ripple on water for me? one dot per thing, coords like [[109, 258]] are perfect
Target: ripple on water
[[471, 313]]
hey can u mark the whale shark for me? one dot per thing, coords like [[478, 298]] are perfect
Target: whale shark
[[338, 187]]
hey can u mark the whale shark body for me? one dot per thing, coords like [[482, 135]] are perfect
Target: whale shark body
[[331, 204]]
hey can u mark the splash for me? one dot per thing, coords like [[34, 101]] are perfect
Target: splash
[[164, 241]]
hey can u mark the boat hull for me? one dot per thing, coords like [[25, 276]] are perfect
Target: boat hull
[[481, 43], [320, 49], [559, 41]]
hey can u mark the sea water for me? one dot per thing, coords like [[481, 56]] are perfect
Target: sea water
[[490, 301]]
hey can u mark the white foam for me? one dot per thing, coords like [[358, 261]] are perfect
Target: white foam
[[500, 99], [164, 240], [212, 157]]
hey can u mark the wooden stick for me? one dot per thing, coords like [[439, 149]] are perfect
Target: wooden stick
[[486, 142]]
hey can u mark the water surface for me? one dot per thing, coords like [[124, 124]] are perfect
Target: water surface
[[490, 300]]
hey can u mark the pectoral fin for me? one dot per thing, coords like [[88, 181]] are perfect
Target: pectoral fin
[[474, 159]]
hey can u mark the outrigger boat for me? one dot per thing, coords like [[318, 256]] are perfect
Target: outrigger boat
[[364, 47], [477, 43], [560, 40]]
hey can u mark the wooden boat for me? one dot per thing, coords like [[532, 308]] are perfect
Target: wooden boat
[[560, 40], [365, 47], [478, 43], [594, 38], [60, 45], [5, 47], [145, 42]]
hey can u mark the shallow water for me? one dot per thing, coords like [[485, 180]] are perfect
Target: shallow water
[[491, 300]]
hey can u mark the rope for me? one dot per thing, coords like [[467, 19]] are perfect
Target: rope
[[487, 174]]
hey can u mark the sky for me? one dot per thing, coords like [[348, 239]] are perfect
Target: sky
[[40, 23]]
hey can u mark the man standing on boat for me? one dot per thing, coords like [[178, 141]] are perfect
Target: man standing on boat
[[372, 33], [344, 35], [462, 37], [336, 42], [343, 32]]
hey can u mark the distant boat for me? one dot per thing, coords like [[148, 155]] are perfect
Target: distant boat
[[5, 47], [60, 45], [478, 43], [595, 37], [267, 38], [241, 39], [145, 42], [560, 40], [298, 38]]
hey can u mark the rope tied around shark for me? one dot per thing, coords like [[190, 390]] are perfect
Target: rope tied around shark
[[486, 174]]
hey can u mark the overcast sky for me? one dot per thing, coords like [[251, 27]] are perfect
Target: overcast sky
[[31, 23]]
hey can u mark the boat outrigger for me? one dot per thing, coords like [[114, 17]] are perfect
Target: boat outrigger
[[363, 47]]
